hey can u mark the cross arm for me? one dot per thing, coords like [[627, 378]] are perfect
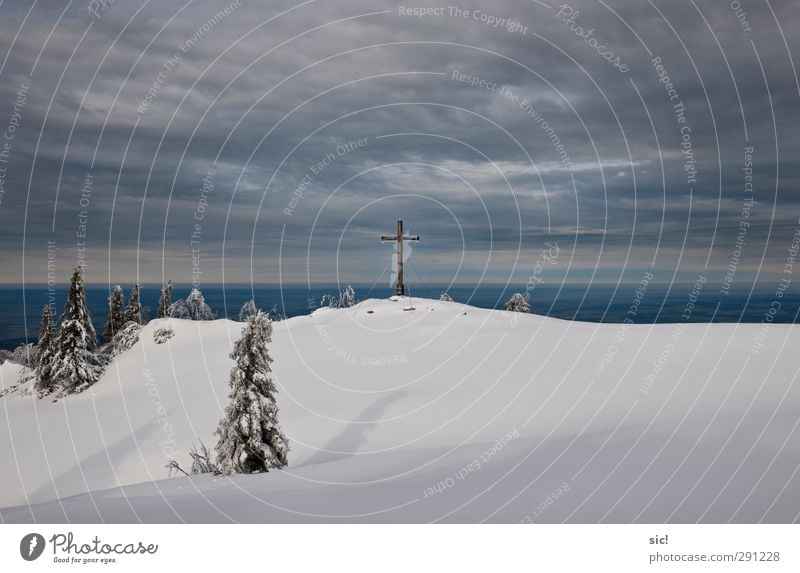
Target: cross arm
[[388, 237]]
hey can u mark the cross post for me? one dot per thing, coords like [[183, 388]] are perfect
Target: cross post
[[400, 288]]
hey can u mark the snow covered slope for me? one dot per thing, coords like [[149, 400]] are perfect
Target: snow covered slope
[[442, 413]]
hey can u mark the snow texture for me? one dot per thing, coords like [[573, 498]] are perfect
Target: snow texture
[[432, 415]]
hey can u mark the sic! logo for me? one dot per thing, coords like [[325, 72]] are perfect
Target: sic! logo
[[31, 546]]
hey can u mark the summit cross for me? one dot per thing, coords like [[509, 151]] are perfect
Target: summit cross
[[400, 288]]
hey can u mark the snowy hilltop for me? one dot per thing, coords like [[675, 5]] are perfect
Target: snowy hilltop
[[419, 410]]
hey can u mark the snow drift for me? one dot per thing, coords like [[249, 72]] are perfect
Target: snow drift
[[442, 413]]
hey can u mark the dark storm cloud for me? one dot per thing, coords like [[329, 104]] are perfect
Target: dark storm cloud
[[241, 122]]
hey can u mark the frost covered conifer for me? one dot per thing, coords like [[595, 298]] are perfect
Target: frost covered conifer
[[348, 298], [248, 311], [44, 355], [329, 301], [125, 338], [519, 303], [193, 308], [250, 439], [74, 365], [133, 312], [445, 297], [25, 355], [178, 309], [165, 301], [196, 306], [116, 314], [45, 333]]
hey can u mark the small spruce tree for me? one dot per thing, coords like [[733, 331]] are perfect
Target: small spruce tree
[[197, 307], [43, 384], [250, 439], [248, 311], [45, 333], [348, 297], [116, 314], [165, 301], [74, 364], [178, 309], [519, 303], [133, 312]]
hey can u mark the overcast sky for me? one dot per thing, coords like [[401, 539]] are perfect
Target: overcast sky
[[286, 138]]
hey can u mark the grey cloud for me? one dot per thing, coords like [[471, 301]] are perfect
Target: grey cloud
[[232, 96]]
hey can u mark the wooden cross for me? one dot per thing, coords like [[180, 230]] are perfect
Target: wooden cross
[[400, 288]]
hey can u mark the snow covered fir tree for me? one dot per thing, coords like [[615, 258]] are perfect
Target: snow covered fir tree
[[74, 366], [248, 311], [116, 314], [133, 312], [346, 299], [43, 384], [193, 308], [197, 307], [45, 339], [250, 438], [519, 303], [165, 301]]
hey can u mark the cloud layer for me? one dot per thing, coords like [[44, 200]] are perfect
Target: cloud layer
[[274, 141]]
